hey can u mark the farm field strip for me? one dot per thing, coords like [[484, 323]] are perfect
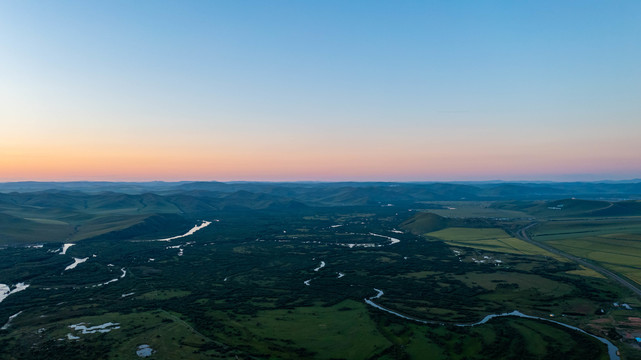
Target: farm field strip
[[493, 239], [617, 248]]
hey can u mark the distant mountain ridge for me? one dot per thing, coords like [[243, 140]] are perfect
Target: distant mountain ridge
[[351, 193], [73, 211]]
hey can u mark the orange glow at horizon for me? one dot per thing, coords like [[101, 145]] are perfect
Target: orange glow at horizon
[[196, 162], [275, 92]]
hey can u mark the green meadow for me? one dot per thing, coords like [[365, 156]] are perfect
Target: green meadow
[[290, 282]]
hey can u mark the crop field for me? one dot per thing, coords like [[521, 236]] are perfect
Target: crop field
[[492, 239], [615, 244], [583, 271], [624, 228]]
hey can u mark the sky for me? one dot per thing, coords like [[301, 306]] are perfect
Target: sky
[[320, 90]]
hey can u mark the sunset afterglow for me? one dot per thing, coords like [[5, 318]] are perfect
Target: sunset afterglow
[[415, 91]]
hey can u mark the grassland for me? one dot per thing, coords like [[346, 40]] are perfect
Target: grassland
[[163, 294], [522, 339], [521, 281], [238, 290], [22, 227], [170, 337], [344, 330], [473, 209]]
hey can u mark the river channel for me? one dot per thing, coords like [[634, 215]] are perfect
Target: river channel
[[612, 350]]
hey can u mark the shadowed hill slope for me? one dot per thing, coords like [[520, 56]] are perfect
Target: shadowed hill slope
[[424, 223]]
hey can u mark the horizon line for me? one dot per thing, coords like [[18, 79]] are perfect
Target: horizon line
[[318, 181]]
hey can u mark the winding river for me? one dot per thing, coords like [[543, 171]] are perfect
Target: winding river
[[612, 350], [5, 290], [322, 265], [200, 226], [76, 262]]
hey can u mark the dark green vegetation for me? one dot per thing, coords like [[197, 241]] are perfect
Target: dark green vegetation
[[236, 288]]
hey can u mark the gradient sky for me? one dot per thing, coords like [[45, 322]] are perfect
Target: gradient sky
[[320, 90]]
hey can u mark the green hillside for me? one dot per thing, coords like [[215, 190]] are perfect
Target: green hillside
[[424, 223]]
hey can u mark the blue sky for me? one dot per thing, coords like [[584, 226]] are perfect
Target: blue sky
[[321, 90]]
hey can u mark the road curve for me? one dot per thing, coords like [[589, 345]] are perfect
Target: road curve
[[522, 234]]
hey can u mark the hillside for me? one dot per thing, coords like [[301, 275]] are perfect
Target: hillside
[[424, 223]]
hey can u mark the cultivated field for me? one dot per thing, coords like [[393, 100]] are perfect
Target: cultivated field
[[491, 239], [612, 243]]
